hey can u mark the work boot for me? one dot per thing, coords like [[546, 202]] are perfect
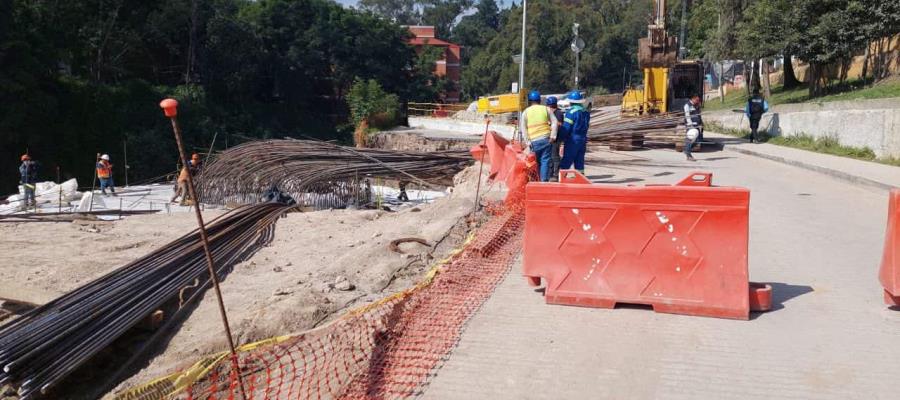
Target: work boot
[[691, 158], [103, 193]]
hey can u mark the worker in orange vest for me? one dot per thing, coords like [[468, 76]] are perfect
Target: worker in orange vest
[[104, 172], [192, 167]]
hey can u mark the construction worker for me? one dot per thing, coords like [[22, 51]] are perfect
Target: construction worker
[[539, 125], [756, 107], [575, 126], [104, 172], [28, 179], [694, 125], [192, 167], [552, 103]]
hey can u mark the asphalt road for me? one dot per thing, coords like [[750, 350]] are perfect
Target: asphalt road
[[816, 239]]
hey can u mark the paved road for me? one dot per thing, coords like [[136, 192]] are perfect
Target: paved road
[[818, 240]]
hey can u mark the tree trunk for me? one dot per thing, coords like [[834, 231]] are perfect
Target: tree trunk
[[766, 84], [865, 67], [361, 135], [192, 39], [815, 80], [721, 83], [790, 79], [748, 76]]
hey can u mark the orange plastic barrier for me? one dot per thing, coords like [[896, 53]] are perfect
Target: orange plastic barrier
[[509, 164], [890, 262], [494, 145], [681, 249]]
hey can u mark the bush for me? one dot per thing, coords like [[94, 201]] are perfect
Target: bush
[[370, 103]]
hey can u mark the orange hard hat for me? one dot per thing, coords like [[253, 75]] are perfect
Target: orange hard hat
[[25, 157]]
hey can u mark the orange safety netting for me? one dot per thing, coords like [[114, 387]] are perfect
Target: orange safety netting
[[384, 350]]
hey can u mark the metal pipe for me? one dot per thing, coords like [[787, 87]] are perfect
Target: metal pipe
[[209, 258]]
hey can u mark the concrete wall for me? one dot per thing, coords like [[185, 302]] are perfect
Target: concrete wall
[[860, 123], [453, 125]]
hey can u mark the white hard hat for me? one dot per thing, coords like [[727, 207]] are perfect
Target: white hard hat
[[693, 133], [105, 157]]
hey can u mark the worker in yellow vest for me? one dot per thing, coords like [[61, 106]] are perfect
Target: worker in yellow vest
[[539, 125]]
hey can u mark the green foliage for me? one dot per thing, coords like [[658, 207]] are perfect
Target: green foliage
[[81, 77], [852, 90], [766, 30], [367, 99], [610, 29]]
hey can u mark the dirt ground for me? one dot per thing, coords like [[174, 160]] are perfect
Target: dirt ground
[[318, 264]]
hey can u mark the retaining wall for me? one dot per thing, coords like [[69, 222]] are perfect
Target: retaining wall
[[859, 123], [453, 125]]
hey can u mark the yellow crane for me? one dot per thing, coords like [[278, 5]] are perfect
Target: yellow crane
[[668, 82]]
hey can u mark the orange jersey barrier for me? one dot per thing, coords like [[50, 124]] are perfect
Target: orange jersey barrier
[[890, 262], [681, 249], [509, 164]]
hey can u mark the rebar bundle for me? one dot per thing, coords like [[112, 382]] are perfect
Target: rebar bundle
[[627, 133], [317, 173], [48, 343]]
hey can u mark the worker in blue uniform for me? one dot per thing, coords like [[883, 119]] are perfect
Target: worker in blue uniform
[[574, 128]]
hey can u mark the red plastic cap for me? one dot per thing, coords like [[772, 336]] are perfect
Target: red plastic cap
[[170, 106]]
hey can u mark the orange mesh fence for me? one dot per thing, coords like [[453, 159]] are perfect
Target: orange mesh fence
[[387, 349]]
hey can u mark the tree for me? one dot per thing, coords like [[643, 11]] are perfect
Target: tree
[[403, 12], [366, 100], [830, 32], [765, 31], [611, 29], [442, 14]]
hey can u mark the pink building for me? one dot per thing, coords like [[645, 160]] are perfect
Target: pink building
[[448, 65]]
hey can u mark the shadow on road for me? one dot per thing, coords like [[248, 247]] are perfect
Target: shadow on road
[[781, 293]]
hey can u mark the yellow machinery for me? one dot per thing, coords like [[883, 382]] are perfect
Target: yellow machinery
[[657, 54], [503, 103]]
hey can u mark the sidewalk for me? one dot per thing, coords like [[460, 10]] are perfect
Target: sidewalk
[[879, 176]]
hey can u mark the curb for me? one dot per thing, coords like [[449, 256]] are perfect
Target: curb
[[854, 179]]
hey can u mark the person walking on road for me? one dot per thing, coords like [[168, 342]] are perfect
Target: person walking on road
[[104, 172], [575, 127], [539, 125], [756, 107], [694, 125], [555, 156], [28, 179]]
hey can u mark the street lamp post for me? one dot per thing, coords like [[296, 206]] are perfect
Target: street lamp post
[[522, 66]]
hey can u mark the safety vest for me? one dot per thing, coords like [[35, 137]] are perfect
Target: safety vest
[[538, 119], [104, 169]]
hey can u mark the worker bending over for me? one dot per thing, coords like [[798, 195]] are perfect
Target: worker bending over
[[575, 127], [540, 125], [28, 179], [191, 167], [756, 107], [104, 172], [694, 125]]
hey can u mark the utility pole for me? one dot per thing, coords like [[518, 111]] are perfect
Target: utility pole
[[682, 45], [577, 46], [522, 64]]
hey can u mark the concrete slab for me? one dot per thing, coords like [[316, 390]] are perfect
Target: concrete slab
[[816, 239]]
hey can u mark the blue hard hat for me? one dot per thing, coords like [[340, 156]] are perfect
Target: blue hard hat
[[534, 95], [575, 95], [552, 100]]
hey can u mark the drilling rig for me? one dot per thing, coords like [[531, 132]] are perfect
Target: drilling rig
[[668, 81]]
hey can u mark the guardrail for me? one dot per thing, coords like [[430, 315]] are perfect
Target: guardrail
[[435, 110]]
